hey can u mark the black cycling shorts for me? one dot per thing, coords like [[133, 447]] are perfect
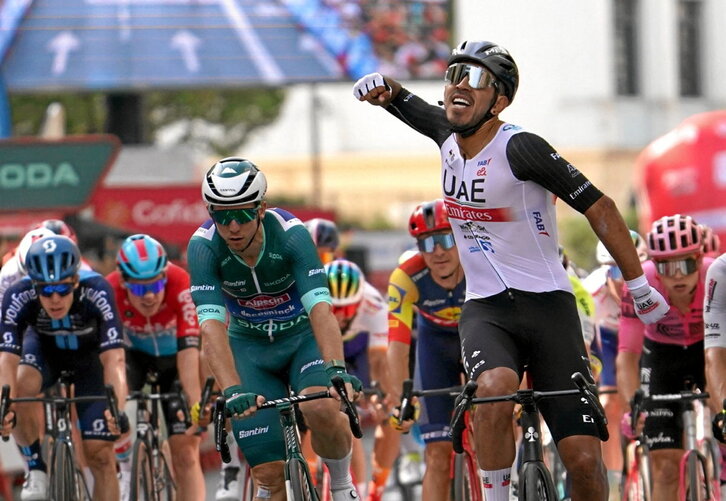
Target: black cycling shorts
[[539, 332], [663, 369], [138, 364]]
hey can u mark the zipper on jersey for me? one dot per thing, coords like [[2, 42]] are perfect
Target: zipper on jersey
[[269, 331], [468, 226]]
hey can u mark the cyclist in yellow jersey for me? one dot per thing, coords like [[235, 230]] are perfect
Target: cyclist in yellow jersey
[[431, 284]]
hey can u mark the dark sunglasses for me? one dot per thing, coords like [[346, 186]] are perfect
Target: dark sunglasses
[[47, 290], [670, 268], [226, 216], [427, 244], [479, 78], [143, 289]]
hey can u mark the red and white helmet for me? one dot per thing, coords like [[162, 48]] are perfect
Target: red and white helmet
[[672, 236], [428, 217], [59, 227], [711, 242], [27, 241]]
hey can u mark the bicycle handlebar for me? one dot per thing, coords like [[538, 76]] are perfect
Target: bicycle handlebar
[[349, 408], [220, 413], [4, 404], [465, 400], [206, 394], [461, 405], [6, 401], [220, 433], [601, 421], [112, 403], [637, 403]]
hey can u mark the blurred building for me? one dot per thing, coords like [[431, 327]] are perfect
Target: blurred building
[[599, 79]]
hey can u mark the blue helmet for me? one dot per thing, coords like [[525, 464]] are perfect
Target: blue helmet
[[324, 232], [141, 257], [52, 258]]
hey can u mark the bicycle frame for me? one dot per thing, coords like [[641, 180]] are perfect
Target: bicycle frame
[[463, 464], [638, 482], [148, 416]]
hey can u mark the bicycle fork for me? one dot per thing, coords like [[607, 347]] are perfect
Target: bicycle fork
[[690, 444]]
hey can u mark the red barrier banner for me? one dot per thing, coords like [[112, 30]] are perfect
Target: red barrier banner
[[169, 213]]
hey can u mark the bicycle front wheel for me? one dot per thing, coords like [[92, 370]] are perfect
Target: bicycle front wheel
[[465, 483], [695, 485], [142, 473], [535, 483], [298, 484], [62, 473], [163, 481], [638, 484]]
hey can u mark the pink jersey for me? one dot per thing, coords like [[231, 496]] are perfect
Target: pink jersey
[[675, 328]]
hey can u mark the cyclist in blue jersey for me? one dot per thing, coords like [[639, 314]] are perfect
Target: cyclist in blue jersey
[[499, 183], [60, 319], [267, 325]]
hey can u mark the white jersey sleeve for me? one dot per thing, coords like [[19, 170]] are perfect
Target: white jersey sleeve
[[714, 307], [10, 273], [372, 317], [607, 308]]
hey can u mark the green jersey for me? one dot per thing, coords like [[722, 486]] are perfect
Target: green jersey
[[271, 298]]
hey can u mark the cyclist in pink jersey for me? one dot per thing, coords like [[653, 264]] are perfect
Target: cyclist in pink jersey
[[669, 351]]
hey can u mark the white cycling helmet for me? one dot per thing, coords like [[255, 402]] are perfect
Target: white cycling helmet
[[233, 181], [603, 256], [27, 241]]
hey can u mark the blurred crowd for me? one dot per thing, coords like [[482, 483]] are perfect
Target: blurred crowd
[[410, 39]]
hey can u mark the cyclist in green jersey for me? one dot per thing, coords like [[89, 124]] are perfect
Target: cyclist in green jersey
[[267, 325]]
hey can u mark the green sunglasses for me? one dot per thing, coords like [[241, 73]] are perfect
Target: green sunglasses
[[226, 216]]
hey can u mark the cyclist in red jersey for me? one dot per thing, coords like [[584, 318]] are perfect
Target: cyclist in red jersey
[[658, 357], [162, 334]]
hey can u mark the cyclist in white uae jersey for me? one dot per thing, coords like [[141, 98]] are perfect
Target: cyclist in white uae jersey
[[498, 181], [714, 343]]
